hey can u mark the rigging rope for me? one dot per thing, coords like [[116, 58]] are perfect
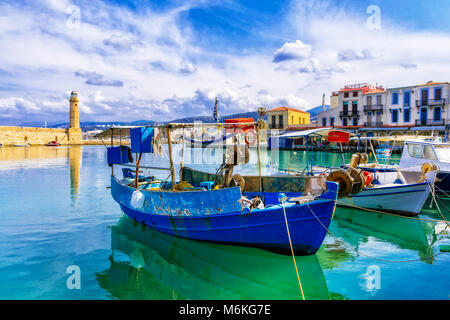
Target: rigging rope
[[292, 252]]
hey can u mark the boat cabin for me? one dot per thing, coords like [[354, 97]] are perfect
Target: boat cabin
[[432, 150]]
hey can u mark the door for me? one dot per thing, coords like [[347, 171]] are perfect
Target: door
[[423, 116], [369, 101], [369, 118]]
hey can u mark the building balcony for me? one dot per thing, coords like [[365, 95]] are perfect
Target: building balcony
[[373, 107], [348, 114], [430, 102], [430, 122], [373, 124], [276, 126]]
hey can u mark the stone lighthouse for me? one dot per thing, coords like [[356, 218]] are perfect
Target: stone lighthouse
[[74, 119]]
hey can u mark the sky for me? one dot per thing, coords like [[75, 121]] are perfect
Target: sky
[[163, 60]]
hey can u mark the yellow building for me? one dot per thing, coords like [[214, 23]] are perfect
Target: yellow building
[[284, 117]]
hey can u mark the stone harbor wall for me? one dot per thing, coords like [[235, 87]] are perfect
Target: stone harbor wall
[[35, 136]]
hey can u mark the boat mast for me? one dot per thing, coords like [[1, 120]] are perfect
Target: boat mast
[[169, 143]]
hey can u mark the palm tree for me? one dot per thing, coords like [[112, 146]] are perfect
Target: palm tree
[[262, 111]]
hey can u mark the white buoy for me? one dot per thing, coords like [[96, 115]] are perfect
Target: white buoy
[[137, 199]]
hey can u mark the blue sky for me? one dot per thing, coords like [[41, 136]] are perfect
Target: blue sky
[[162, 60]]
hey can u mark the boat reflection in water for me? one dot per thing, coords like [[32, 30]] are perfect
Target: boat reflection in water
[[358, 227], [160, 266]]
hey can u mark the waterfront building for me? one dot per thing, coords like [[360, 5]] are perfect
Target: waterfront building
[[284, 118], [375, 111], [351, 101]]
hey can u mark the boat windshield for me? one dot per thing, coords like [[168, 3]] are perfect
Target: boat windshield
[[443, 153]]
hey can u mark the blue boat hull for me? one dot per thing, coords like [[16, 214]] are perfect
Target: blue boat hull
[[443, 183], [263, 228]]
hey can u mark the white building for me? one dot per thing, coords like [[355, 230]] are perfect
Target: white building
[[370, 108], [351, 101]]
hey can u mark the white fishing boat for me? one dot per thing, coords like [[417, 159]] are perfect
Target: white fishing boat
[[402, 191], [21, 145], [416, 152]]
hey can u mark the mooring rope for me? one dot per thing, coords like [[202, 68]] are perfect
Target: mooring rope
[[363, 254], [387, 213], [442, 191], [292, 252], [437, 205]]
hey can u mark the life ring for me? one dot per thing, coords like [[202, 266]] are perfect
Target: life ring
[[252, 142], [369, 176]]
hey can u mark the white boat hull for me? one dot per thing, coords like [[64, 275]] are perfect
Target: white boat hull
[[405, 199]]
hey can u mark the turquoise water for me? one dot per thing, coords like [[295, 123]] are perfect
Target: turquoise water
[[56, 211]]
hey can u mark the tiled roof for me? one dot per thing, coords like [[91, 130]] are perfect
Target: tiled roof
[[287, 108], [375, 91]]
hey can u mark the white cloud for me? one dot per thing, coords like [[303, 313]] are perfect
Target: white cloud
[[292, 51], [146, 65]]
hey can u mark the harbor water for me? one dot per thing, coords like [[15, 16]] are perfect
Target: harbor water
[[57, 215]]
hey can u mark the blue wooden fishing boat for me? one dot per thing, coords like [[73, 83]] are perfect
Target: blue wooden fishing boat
[[203, 206]]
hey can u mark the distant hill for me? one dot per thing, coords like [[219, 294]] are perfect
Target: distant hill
[[92, 125], [210, 119], [315, 111]]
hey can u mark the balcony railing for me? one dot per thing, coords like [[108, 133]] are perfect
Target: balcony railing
[[430, 102], [373, 107], [430, 122], [373, 124], [349, 114]]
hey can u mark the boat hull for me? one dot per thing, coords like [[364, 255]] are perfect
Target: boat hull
[[403, 199], [264, 228], [442, 181]]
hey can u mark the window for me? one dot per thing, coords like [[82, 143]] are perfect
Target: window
[[394, 115], [424, 96], [331, 121], [274, 121], [437, 114], [324, 122], [280, 120], [415, 150], [437, 94], [345, 106], [354, 106], [429, 153], [407, 98], [292, 119], [406, 115], [345, 94], [443, 153], [379, 100], [344, 122], [355, 121], [395, 98], [355, 93]]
